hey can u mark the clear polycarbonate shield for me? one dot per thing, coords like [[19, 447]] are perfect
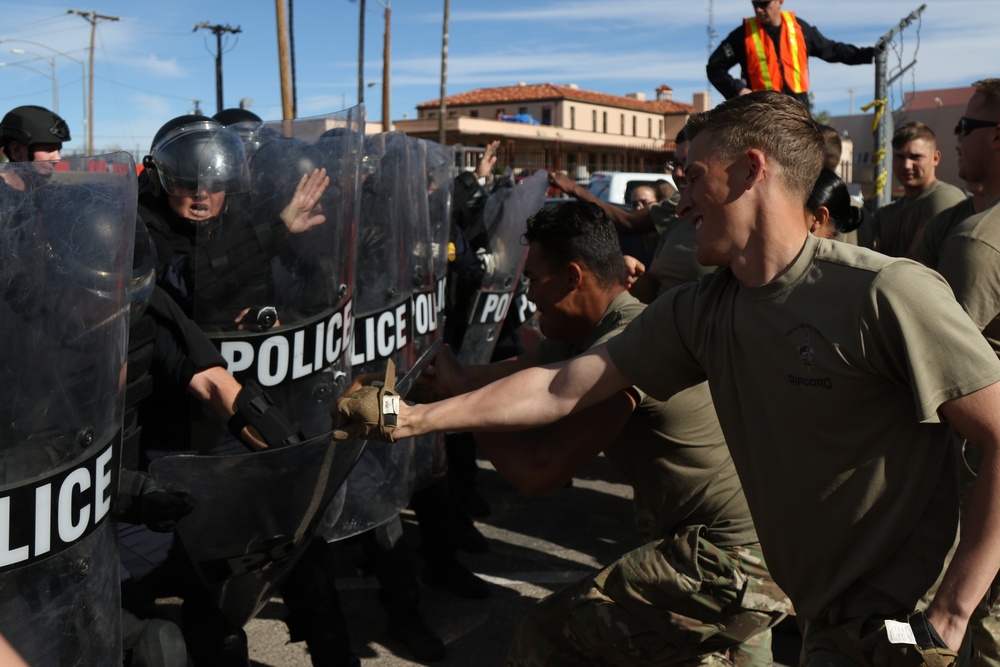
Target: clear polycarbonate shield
[[505, 216], [431, 173], [274, 289], [254, 515], [382, 482], [65, 266], [274, 281]]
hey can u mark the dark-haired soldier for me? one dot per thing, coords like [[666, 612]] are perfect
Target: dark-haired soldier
[[856, 516], [641, 609], [830, 213]]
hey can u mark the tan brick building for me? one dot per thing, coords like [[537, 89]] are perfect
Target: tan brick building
[[572, 130]]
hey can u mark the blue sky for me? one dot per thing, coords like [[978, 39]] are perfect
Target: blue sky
[[151, 63]]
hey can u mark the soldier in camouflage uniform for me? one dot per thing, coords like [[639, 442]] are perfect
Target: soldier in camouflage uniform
[[701, 594], [968, 258], [836, 372]]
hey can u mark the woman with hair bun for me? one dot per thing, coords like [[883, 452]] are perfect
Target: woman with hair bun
[[829, 212]]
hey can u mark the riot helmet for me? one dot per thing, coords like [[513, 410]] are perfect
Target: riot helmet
[[193, 153], [30, 125], [232, 116], [254, 135]]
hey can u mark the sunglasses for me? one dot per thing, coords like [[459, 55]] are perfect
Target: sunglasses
[[760, 4], [966, 125]]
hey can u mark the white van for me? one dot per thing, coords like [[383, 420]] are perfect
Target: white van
[[616, 186]]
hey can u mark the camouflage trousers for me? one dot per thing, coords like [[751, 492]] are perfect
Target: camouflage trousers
[[679, 601]]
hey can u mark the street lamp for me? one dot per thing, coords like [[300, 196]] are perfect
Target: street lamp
[[83, 77], [52, 64]]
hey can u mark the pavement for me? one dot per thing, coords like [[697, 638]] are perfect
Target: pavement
[[537, 546]]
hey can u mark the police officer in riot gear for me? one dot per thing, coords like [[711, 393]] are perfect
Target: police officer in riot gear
[[210, 246], [252, 130], [32, 133], [64, 248]]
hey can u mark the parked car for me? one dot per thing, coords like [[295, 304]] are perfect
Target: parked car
[[616, 186]]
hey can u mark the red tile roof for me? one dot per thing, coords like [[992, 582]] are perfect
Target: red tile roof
[[538, 92], [942, 97]]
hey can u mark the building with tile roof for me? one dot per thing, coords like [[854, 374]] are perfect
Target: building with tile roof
[[561, 127]]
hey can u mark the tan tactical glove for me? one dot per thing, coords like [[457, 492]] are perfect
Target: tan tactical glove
[[928, 651], [370, 412]]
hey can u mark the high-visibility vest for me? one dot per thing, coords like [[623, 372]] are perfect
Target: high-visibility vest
[[763, 68]]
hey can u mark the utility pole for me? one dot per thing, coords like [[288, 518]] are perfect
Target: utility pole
[[443, 110], [83, 74], [218, 31], [284, 67], [386, 118], [93, 18], [361, 54]]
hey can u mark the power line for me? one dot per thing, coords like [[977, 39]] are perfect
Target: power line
[[218, 31], [93, 18]]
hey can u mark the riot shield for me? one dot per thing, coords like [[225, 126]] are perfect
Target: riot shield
[[286, 325], [432, 166], [254, 515], [382, 482], [65, 263], [505, 215]]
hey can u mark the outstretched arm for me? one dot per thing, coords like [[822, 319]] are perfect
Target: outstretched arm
[[540, 460], [530, 398], [626, 222]]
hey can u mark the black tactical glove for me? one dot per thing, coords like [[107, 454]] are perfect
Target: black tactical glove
[[370, 412], [929, 651], [144, 500], [255, 408]]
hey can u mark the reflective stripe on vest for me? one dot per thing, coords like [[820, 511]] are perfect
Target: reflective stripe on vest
[[764, 70]]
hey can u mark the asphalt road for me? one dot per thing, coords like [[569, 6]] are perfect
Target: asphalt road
[[536, 547]]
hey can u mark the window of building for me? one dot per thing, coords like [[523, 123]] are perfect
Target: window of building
[[546, 115], [593, 117], [522, 109], [661, 129], [635, 132], [649, 127], [622, 123], [500, 112], [572, 118], [474, 113], [605, 113]]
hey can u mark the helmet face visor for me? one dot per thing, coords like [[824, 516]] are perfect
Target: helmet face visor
[[201, 157]]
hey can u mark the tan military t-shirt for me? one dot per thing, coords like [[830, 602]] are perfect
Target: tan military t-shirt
[[927, 249], [672, 451], [970, 262], [895, 224], [827, 383], [674, 262]]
